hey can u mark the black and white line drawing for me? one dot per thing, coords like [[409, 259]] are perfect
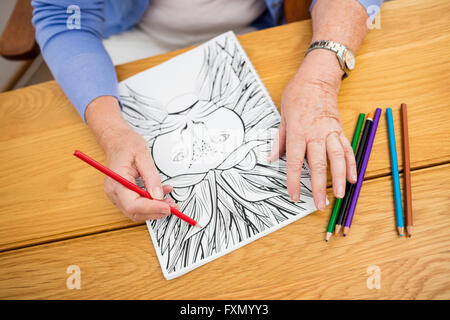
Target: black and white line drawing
[[209, 124]]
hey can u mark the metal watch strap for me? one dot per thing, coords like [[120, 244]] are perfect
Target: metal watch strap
[[335, 47]]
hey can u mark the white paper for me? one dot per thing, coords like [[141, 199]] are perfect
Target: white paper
[[209, 123]]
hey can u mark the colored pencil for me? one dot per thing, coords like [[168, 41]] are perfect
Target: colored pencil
[[395, 174], [130, 185], [362, 173], [338, 201], [351, 187], [407, 172]]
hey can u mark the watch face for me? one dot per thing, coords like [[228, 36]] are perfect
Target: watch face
[[349, 60]]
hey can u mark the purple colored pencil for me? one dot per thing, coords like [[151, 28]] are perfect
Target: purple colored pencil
[[362, 172]]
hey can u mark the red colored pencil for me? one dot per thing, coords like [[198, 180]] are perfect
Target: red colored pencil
[[130, 185]]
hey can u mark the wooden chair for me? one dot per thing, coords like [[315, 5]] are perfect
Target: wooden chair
[[297, 10], [18, 41]]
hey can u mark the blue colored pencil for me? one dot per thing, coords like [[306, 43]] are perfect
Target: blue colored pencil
[[395, 175]]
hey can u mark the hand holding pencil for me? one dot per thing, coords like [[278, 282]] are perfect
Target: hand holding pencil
[[129, 185], [127, 154]]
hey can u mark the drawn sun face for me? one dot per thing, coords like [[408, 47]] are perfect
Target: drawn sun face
[[199, 146]]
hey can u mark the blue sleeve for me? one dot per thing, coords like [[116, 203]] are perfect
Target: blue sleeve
[[372, 7], [74, 51]]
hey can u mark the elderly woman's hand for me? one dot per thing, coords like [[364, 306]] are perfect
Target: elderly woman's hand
[[127, 154], [310, 123]]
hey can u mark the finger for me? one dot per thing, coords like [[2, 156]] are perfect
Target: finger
[[167, 189], [279, 143], [146, 209], [317, 160], [295, 154], [131, 203], [337, 164], [112, 187], [149, 174], [139, 208], [349, 159], [171, 202]]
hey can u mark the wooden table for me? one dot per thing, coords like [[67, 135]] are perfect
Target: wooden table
[[54, 213]]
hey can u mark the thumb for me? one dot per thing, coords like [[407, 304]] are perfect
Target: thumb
[[147, 170], [279, 143]]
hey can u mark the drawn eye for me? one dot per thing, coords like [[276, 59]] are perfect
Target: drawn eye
[[179, 156], [220, 137]]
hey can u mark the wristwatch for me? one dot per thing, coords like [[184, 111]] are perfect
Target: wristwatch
[[344, 55]]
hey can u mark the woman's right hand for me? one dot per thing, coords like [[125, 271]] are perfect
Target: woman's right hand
[[127, 155]]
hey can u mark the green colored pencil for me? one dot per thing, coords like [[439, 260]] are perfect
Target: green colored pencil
[[338, 202]]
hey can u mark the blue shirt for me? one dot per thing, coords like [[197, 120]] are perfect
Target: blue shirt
[[74, 51]]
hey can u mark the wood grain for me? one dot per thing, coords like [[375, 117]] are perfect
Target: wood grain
[[47, 194], [292, 263]]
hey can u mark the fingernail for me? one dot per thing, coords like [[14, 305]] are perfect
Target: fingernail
[[271, 157], [173, 204], [354, 177], [157, 193], [340, 192], [168, 186], [295, 197], [321, 205]]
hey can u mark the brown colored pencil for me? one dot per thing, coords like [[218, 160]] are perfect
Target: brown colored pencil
[[407, 172]]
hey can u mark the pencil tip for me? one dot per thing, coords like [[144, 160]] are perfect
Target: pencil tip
[[346, 230], [337, 229], [197, 225], [409, 230]]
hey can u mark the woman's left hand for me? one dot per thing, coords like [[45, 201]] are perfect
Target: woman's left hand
[[310, 124]]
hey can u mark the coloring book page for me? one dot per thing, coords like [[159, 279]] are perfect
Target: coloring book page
[[209, 123]]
